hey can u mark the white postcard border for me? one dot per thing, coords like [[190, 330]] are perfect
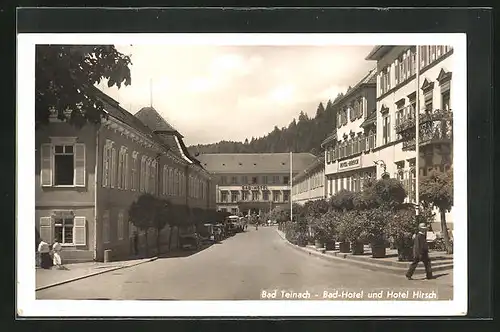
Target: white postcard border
[[27, 305]]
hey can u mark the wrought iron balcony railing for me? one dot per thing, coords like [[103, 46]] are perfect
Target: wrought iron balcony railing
[[435, 127]]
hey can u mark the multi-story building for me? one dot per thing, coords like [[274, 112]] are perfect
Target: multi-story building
[[253, 183], [350, 148], [309, 185], [396, 108], [86, 179]]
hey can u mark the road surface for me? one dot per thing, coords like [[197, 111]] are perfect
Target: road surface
[[240, 268]]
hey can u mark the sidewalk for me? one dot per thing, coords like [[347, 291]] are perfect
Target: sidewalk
[[442, 263], [54, 277]]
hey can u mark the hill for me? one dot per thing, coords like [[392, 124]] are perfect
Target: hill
[[304, 135]]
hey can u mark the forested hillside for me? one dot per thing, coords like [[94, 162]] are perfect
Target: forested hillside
[[302, 135]]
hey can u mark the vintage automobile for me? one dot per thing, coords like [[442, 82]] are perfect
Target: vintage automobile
[[189, 241], [208, 233]]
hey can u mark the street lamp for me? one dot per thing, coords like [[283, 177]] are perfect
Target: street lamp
[[382, 164]]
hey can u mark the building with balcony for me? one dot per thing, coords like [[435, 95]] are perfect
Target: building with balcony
[[253, 183], [309, 185], [349, 149], [396, 111], [86, 179]]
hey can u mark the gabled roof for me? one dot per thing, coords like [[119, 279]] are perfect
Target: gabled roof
[[329, 138], [151, 118], [371, 118], [318, 163], [252, 163], [378, 52], [168, 134], [368, 79]]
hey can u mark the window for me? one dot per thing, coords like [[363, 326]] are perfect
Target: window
[[105, 227], [276, 179], [286, 195], [234, 197], [428, 103], [142, 173], [147, 176], [386, 130], [223, 210], [223, 180], [286, 180], [244, 179], [120, 227], [265, 195], [445, 100], [264, 179], [62, 163], [276, 196], [254, 180], [255, 195], [244, 195], [234, 211], [234, 180], [385, 82], [223, 196], [63, 230], [113, 168]]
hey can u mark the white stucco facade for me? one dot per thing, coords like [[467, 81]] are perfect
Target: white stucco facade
[[309, 185]]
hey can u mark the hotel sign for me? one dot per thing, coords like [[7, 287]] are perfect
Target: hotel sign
[[348, 164], [253, 187]]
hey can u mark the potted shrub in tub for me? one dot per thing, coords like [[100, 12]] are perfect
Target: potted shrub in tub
[[375, 224]]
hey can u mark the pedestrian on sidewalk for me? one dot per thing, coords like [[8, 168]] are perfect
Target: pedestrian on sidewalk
[[420, 252], [45, 259], [56, 252]]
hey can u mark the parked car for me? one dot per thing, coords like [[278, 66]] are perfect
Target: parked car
[[189, 241], [208, 234]]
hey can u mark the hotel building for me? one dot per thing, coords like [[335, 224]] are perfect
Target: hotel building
[[253, 182], [396, 107], [350, 148], [309, 185], [86, 179]]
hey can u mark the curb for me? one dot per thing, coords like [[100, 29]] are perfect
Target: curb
[[363, 264], [94, 274]]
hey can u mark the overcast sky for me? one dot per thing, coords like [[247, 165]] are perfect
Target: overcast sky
[[213, 93]]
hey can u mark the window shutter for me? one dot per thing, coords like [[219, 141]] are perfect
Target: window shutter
[[80, 231], [47, 229], [79, 165], [119, 183], [46, 165], [105, 166], [127, 176], [113, 167]]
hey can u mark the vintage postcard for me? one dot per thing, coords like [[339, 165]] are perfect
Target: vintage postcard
[[241, 175]]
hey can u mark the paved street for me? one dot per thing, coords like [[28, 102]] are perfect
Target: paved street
[[239, 268]]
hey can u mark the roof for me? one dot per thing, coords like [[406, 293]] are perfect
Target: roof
[[252, 163], [368, 79], [370, 119], [123, 115], [168, 134], [151, 118], [378, 52], [315, 165], [329, 138]]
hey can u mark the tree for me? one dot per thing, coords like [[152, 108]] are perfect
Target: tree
[[436, 190], [142, 213], [160, 219], [65, 79]]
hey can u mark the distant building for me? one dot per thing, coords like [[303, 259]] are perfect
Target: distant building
[[309, 185], [87, 178], [253, 182]]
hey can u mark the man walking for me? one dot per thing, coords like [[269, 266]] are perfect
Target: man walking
[[420, 252]]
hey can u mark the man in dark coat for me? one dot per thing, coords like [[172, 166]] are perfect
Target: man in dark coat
[[420, 252]]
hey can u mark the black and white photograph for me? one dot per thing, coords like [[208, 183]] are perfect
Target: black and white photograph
[[223, 174]]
